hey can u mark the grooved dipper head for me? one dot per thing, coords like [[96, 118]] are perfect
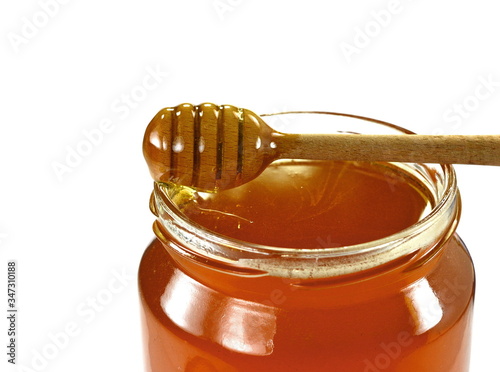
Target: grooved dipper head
[[207, 147]]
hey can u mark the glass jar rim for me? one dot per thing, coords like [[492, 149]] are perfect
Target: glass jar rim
[[319, 262]]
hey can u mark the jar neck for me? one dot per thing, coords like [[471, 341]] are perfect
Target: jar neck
[[407, 249], [208, 274]]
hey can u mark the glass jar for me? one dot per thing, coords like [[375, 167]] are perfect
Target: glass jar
[[398, 300]]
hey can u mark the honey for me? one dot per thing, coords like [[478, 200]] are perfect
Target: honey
[[313, 266], [307, 204]]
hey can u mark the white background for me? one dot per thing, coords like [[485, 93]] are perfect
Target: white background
[[71, 67]]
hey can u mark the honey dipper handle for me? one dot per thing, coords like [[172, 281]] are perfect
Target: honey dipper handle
[[447, 149]]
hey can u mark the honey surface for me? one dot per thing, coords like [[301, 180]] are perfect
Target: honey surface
[[312, 204]]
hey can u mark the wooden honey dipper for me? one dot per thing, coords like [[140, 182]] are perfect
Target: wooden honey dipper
[[212, 147]]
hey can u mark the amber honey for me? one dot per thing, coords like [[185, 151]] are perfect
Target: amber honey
[[313, 266], [309, 204]]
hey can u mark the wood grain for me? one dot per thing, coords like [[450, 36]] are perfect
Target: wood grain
[[213, 147], [447, 149]]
